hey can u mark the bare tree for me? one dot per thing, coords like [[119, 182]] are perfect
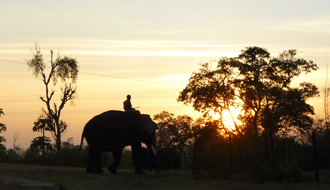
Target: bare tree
[[65, 69], [15, 138], [326, 95]]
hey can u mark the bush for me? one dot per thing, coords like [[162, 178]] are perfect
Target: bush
[[71, 156], [167, 159]]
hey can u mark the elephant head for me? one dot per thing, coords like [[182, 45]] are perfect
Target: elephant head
[[149, 136]]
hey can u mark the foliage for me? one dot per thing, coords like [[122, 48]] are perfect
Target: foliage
[[175, 132], [261, 83], [211, 149], [322, 132], [261, 86], [2, 128], [65, 69], [40, 144], [288, 171], [168, 158], [43, 123], [211, 89], [71, 156]]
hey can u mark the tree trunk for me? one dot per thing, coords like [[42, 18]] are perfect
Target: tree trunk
[[195, 154], [266, 145], [230, 158], [43, 146], [58, 142], [240, 156], [271, 144], [316, 163]]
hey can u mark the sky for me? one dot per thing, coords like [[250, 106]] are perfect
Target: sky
[[145, 48]]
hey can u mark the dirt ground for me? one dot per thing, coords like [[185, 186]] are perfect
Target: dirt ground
[[8, 180], [30, 177]]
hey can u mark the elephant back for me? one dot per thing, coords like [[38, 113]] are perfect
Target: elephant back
[[107, 127]]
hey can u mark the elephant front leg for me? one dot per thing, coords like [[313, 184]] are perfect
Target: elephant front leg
[[137, 157], [117, 159]]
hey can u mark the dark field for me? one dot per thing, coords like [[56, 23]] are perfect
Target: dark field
[[69, 178]]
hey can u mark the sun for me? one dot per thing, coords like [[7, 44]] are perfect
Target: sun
[[226, 117]]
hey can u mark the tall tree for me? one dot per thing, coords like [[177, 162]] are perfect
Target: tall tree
[[2, 128], [262, 84], [64, 69], [269, 102], [212, 89], [326, 96]]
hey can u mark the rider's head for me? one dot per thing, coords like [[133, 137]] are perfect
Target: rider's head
[[128, 97]]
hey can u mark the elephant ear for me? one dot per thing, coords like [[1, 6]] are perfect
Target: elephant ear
[[150, 126]]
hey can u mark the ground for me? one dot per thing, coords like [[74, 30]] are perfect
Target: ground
[[68, 178]]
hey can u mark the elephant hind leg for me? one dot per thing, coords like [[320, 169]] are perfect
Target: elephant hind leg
[[94, 161], [117, 159], [98, 166], [91, 161]]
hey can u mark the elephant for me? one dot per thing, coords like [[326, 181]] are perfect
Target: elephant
[[112, 131]]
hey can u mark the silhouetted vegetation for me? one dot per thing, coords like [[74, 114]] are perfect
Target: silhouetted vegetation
[[273, 141], [2, 129], [271, 109], [64, 69]]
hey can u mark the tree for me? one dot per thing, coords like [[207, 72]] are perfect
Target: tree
[[212, 89], [65, 69], [15, 138], [176, 131], [262, 84], [326, 96], [2, 128], [268, 99], [42, 143]]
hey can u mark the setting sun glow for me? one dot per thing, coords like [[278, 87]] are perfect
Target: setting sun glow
[[226, 118]]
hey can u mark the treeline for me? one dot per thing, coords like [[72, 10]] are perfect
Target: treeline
[[200, 145], [206, 148], [247, 157], [71, 156], [272, 141]]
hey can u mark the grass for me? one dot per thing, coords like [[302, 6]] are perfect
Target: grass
[[76, 179]]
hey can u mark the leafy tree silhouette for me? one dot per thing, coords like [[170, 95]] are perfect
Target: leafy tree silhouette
[[42, 144], [175, 131], [2, 128], [65, 69], [262, 84]]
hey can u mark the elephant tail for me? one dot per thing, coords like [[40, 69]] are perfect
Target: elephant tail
[[82, 140]]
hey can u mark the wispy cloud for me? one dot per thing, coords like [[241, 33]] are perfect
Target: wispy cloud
[[313, 25], [147, 53], [128, 47]]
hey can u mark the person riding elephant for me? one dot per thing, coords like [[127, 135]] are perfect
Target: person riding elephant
[[112, 131], [127, 104]]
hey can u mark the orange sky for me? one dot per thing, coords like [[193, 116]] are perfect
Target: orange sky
[[144, 48]]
